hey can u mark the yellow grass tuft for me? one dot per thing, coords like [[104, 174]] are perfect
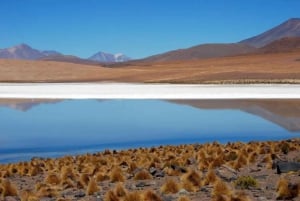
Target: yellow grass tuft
[[183, 198], [92, 187], [133, 196], [111, 196], [191, 181], [286, 190], [47, 191], [142, 175], [240, 196], [52, 179], [8, 188], [149, 195], [119, 190], [101, 177], [170, 187], [116, 175], [83, 180], [210, 177], [221, 189]]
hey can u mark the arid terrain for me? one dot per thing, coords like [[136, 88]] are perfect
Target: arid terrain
[[233, 171], [254, 68]]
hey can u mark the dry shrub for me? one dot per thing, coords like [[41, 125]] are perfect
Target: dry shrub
[[149, 195], [111, 196], [92, 187], [67, 183], [52, 179], [67, 172], [170, 187], [240, 196], [133, 196], [119, 190], [116, 175], [221, 189], [183, 198], [28, 196], [101, 177], [83, 180], [210, 177], [191, 181], [142, 175], [46, 191], [286, 190], [8, 188]]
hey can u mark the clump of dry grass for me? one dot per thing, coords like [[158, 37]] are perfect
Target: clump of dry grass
[[210, 177], [149, 195], [7, 188], [183, 198], [191, 181], [119, 190], [28, 196], [111, 196], [142, 175], [170, 187], [83, 180], [92, 187], [47, 191], [221, 189], [116, 175], [239, 196], [285, 190], [52, 179], [101, 177], [133, 196]]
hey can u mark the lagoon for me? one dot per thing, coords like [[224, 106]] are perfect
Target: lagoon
[[52, 128]]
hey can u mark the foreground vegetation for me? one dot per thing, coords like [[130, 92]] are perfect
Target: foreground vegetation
[[234, 171]]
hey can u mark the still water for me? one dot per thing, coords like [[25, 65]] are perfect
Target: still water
[[52, 128]]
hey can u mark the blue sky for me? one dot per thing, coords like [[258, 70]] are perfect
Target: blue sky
[[137, 28]]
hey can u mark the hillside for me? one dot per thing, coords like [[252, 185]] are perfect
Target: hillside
[[256, 68], [289, 28], [282, 45], [201, 52]]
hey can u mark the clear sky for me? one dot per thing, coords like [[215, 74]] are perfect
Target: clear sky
[[137, 28]]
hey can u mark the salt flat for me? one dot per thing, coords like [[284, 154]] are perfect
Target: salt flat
[[147, 91]]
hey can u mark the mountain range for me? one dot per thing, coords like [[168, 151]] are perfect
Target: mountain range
[[24, 51], [283, 37], [257, 44]]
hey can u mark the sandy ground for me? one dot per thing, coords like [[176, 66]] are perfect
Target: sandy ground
[[147, 91]]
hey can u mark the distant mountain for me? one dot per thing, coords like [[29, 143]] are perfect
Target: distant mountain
[[202, 51], [51, 53], [21, 51], [282, 45], [290, 28], [109, 58], [69, 59], [24, 51]]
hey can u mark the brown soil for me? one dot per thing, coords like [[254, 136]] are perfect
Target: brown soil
[[199, 172], [265, 68]]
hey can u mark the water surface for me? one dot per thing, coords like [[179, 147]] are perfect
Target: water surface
[[57, 127]]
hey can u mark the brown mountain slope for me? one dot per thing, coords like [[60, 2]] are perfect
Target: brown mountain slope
[[257, 68], [69, 59], [282, 45], [201, 51], [290, 28]]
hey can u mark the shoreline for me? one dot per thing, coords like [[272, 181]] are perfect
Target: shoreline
[[148, 91]]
